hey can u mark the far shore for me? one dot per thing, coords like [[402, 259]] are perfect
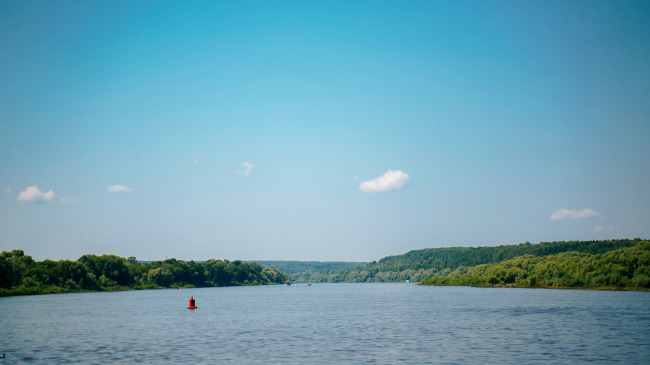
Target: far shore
[[515, 286]]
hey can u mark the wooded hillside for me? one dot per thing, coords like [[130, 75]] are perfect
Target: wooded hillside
[[622, 268], [425, 263]]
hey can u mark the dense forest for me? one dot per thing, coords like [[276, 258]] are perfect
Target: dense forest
[[20, 274], [622, 268], [453, 257], [425, 263]]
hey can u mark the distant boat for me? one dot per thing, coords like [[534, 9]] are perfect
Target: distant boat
[[407, 281], [288, 283], [309, 284]]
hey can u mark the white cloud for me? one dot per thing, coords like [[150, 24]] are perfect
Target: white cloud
[[248, 166], [34, 194], [7, 190], [195, 161], [603, 229], [118, 188], [388, 181], [574, 214]]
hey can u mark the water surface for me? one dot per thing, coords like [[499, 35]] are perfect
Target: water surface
[[373, 323]]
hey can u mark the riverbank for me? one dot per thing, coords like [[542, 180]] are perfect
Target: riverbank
[[58, 290], [514, 286], [39, 290]]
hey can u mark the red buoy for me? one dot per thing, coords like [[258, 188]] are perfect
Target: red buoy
[[192, 304]]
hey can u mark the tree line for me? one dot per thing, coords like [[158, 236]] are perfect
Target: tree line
[[421, 264], [297, 267], [622, 268], [20, 274]]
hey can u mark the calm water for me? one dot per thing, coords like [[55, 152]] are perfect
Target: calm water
[[329, 323]]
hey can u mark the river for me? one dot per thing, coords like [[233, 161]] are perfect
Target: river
[[370, 323]]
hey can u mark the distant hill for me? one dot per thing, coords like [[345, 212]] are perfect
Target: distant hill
[[421, 264], [453, 257], [623, 268], [295, 267]]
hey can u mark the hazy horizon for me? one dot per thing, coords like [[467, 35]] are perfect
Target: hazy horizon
[[336, 131]]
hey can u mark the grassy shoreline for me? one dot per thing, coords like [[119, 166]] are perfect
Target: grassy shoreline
[[58, 290]]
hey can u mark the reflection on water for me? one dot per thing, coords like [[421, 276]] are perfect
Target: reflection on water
[[329, 323]]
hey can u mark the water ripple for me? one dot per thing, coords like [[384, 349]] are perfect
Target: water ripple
[[329, 324]]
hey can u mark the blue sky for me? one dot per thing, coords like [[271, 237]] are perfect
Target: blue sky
[[256, 130]]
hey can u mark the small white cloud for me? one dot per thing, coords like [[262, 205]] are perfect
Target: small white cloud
[[248, 166], [388, 181], [574, 214], [603, 229], [34, 194], [195, 161], [118, 189], [7, 190]]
